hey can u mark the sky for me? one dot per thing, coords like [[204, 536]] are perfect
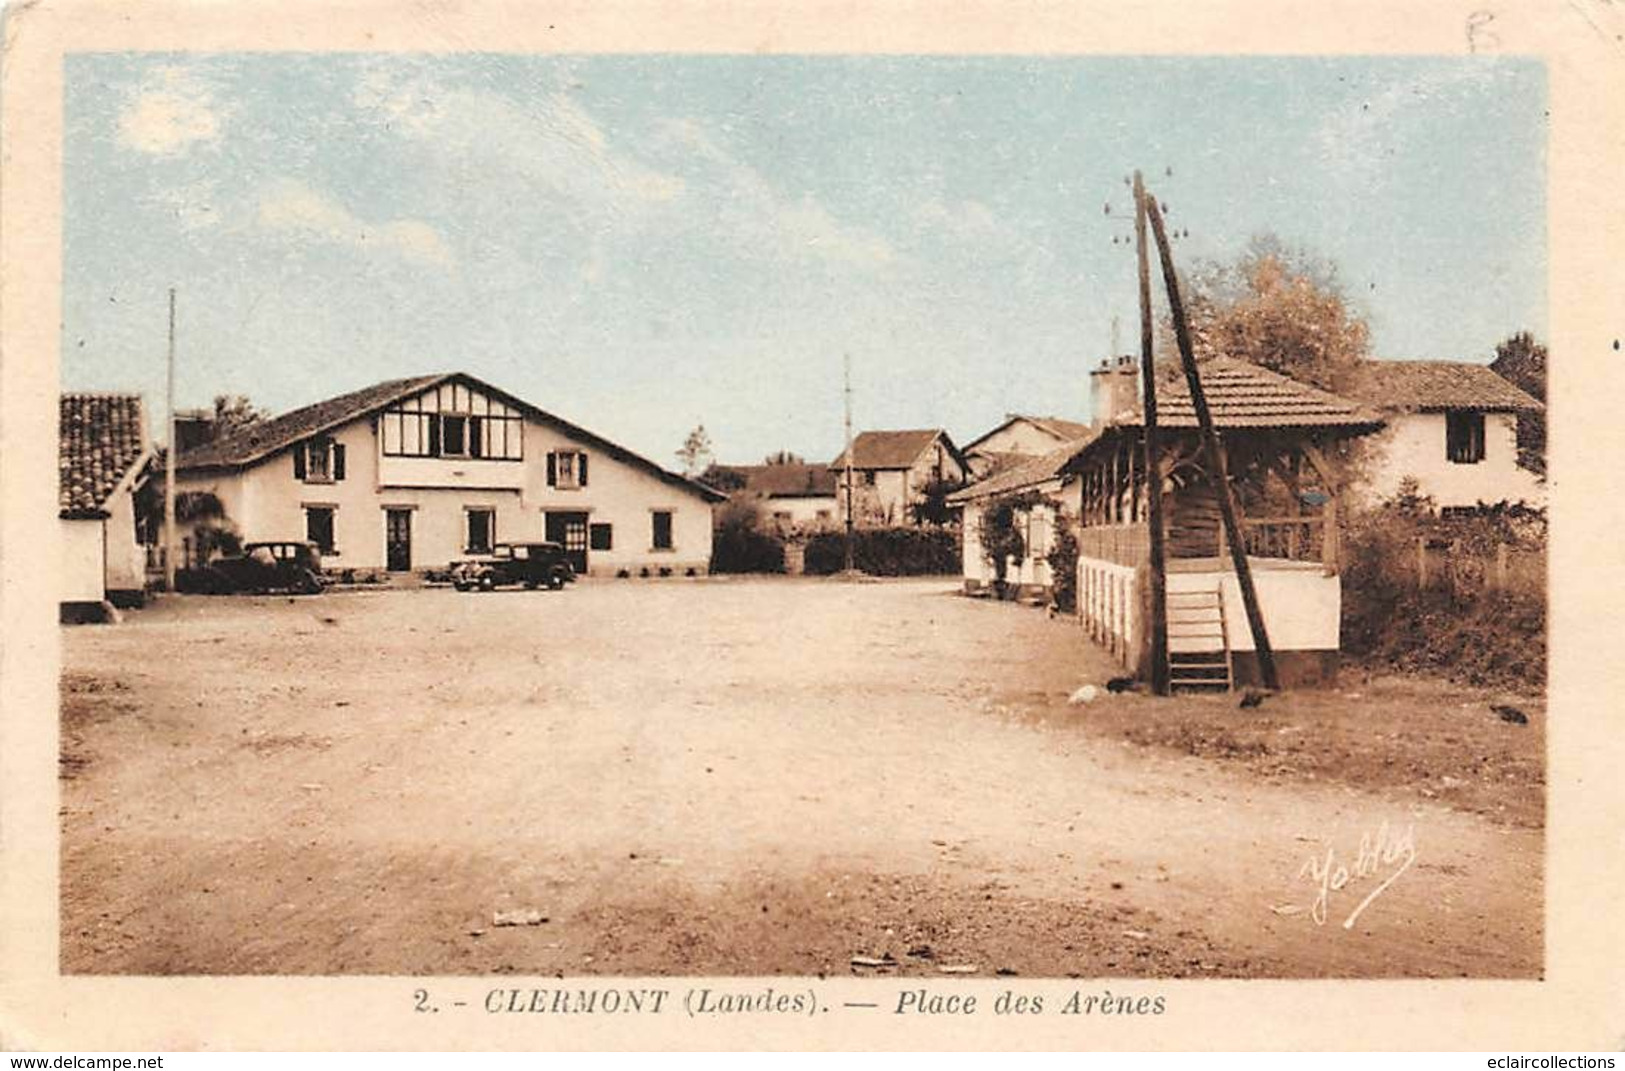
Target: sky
[[641, 244]]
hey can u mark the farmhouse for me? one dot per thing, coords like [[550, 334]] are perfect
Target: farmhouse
[[410, 474], [1276, 436], [789, 495], [1452, 426], [893, 471], [1018, 439], [102, 450]]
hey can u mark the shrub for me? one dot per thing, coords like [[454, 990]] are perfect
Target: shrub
[[740, 546], [1063, 565], [887, 552]]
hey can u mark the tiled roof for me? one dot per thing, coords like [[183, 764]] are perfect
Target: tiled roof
[[1029, 473], [266, 438], [888, 449], [100, 437], [1435, 385], [1061, 429], [796, 480], [1243, 395]]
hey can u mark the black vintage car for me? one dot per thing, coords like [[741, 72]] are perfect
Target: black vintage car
[[287, 566], [530, 564]]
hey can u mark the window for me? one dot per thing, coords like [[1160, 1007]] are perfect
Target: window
[[567, 469], [318, 460], [319, 528], [602, 537], [454, 436], [869, 478], [482, 528], [823, 515], [1464, 437], [662, 529]]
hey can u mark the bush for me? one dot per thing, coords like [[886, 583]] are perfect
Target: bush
[[740, 546], [887, 552], [1473, 634], [1063, 566]]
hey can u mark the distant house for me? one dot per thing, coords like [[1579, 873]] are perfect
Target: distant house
[[410, 474], [1018, 439], [892, 471], [1452, 426], [792, 495], [102, 450]]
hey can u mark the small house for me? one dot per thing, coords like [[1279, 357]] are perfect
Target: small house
[[789, 496], [893, 472], [1452, 427], [102, 451]]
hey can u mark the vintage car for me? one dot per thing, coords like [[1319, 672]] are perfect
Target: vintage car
[[530, 564], [281, 566]]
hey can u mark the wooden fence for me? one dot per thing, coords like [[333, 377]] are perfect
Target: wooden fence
[[1449, 564]]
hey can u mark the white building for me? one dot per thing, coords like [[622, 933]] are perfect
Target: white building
[[892, 472], [102, 450], [411, 474], [1018, 439], [1452, 426]]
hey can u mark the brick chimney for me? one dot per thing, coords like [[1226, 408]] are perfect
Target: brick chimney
[[1115, 385]]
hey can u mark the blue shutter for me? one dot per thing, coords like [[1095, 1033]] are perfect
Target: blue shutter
[[581, 469]]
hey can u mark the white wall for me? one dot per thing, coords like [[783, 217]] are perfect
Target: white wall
[[79, 549], [1413, 444], [803, 511], [267, 502], [1302, 608]]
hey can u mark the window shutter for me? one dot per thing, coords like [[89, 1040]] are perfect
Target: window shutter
[[476, 437], [581, 469], [434, 436], [299, 461], [552, 471], [338, 461]]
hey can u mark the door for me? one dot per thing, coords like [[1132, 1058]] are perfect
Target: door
[[570, 529], [398, 539]]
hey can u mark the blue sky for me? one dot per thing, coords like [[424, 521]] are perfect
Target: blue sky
[[644, 243]]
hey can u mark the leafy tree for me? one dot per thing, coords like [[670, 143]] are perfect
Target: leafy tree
[[722, 478], [784, 457], [233, 413], [1275, 306], [1521, 361], [932, 505], [695, 453]]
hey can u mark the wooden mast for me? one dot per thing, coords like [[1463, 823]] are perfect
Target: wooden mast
[[1153, 457], [1215, 455]]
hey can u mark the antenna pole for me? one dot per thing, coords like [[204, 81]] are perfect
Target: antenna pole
[[169, 458], [846, 360], [1153, 457]]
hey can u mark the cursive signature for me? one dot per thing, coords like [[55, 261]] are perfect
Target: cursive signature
[[1385, 852]]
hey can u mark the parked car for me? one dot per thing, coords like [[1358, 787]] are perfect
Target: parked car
[[278, 566], [530, 564]]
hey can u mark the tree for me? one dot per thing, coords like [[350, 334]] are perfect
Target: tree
[[1279, 307], [932, 506], [784, 457], [233, 413], [695, 453], [722, 478], [1521, 361]]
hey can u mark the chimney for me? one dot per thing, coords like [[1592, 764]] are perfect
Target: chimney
[[1115, 385], [193, 427]]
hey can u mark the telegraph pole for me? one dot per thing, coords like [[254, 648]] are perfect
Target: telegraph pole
[[1153, 456], [1215, 454], [846, 359], [169, 460]]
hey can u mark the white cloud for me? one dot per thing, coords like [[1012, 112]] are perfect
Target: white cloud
[[1359, 141], [293, 207], [171, 111], [761, 215]]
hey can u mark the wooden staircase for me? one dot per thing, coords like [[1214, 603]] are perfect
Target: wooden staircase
[[1198, 645]]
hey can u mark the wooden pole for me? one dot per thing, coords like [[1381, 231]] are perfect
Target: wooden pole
[[1158, 623], [846, 367], [169, 458], [1215, 454]]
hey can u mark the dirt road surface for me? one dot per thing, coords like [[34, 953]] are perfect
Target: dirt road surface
[[744, 777]]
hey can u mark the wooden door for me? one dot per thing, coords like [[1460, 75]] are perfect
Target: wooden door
[[398, 539], [570, 529]]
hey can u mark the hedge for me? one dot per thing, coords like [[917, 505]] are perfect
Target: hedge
[[887, 552]]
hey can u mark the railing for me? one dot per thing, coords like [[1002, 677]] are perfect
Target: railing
[[1120, 544], [1301, 539]]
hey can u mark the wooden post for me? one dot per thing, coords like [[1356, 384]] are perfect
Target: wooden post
[[1330, 542], [1210, 440], [1421, 563], [1158, 577]]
